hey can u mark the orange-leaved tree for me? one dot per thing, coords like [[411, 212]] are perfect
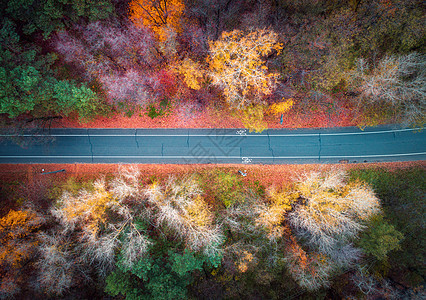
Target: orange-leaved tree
[[16, 242], [311, 270], [159, 15], [237, 67]]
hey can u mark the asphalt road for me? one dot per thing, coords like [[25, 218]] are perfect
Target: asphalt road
[[184, 146]]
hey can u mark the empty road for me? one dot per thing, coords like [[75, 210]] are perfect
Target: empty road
[[183, 146]]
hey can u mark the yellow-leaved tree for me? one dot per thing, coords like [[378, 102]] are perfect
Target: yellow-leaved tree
[[281, 107], [162, 16], [332, 209], [192, 73], [88, 210], [237, 67], [272, 217], [329, 214], [252, 118], [253, 115], [318, 218]]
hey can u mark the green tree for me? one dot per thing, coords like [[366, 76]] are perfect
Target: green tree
[[226, 187], [380, 238], [69, 97], [15, 90], [28, 84], [186, 262], [165, 276], [50, 15], [165, 284], [119, 282], [402, 194]]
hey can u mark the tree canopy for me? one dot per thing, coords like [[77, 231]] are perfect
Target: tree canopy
[[236, 65]]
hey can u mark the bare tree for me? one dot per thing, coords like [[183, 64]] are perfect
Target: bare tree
[[364, 281], [179, 204], [125, 186], [87, 209], [56, 265], [398, 81], [310, 270], [373, 286], [102, 216], [136, 246], [327, 216], [98, 250], [119, 56], [330, 211]]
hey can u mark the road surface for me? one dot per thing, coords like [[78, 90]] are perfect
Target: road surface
[[190, 146]]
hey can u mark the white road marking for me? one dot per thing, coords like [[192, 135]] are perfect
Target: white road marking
[[221, 157], [216, 135]]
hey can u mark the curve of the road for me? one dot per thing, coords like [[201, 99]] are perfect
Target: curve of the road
[[191, 146]]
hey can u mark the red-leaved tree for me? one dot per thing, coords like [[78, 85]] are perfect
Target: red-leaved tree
[[123, 58]]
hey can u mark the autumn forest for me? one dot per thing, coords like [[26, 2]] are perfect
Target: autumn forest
[[132, 232], [351, 62]]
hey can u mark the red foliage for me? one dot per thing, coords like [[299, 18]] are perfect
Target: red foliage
[[121, 57], [265, 174], [208, 116], [167, 84]]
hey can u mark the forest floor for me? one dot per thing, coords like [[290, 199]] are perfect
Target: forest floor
[[323, 113], [264, 174], [27, 181]]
